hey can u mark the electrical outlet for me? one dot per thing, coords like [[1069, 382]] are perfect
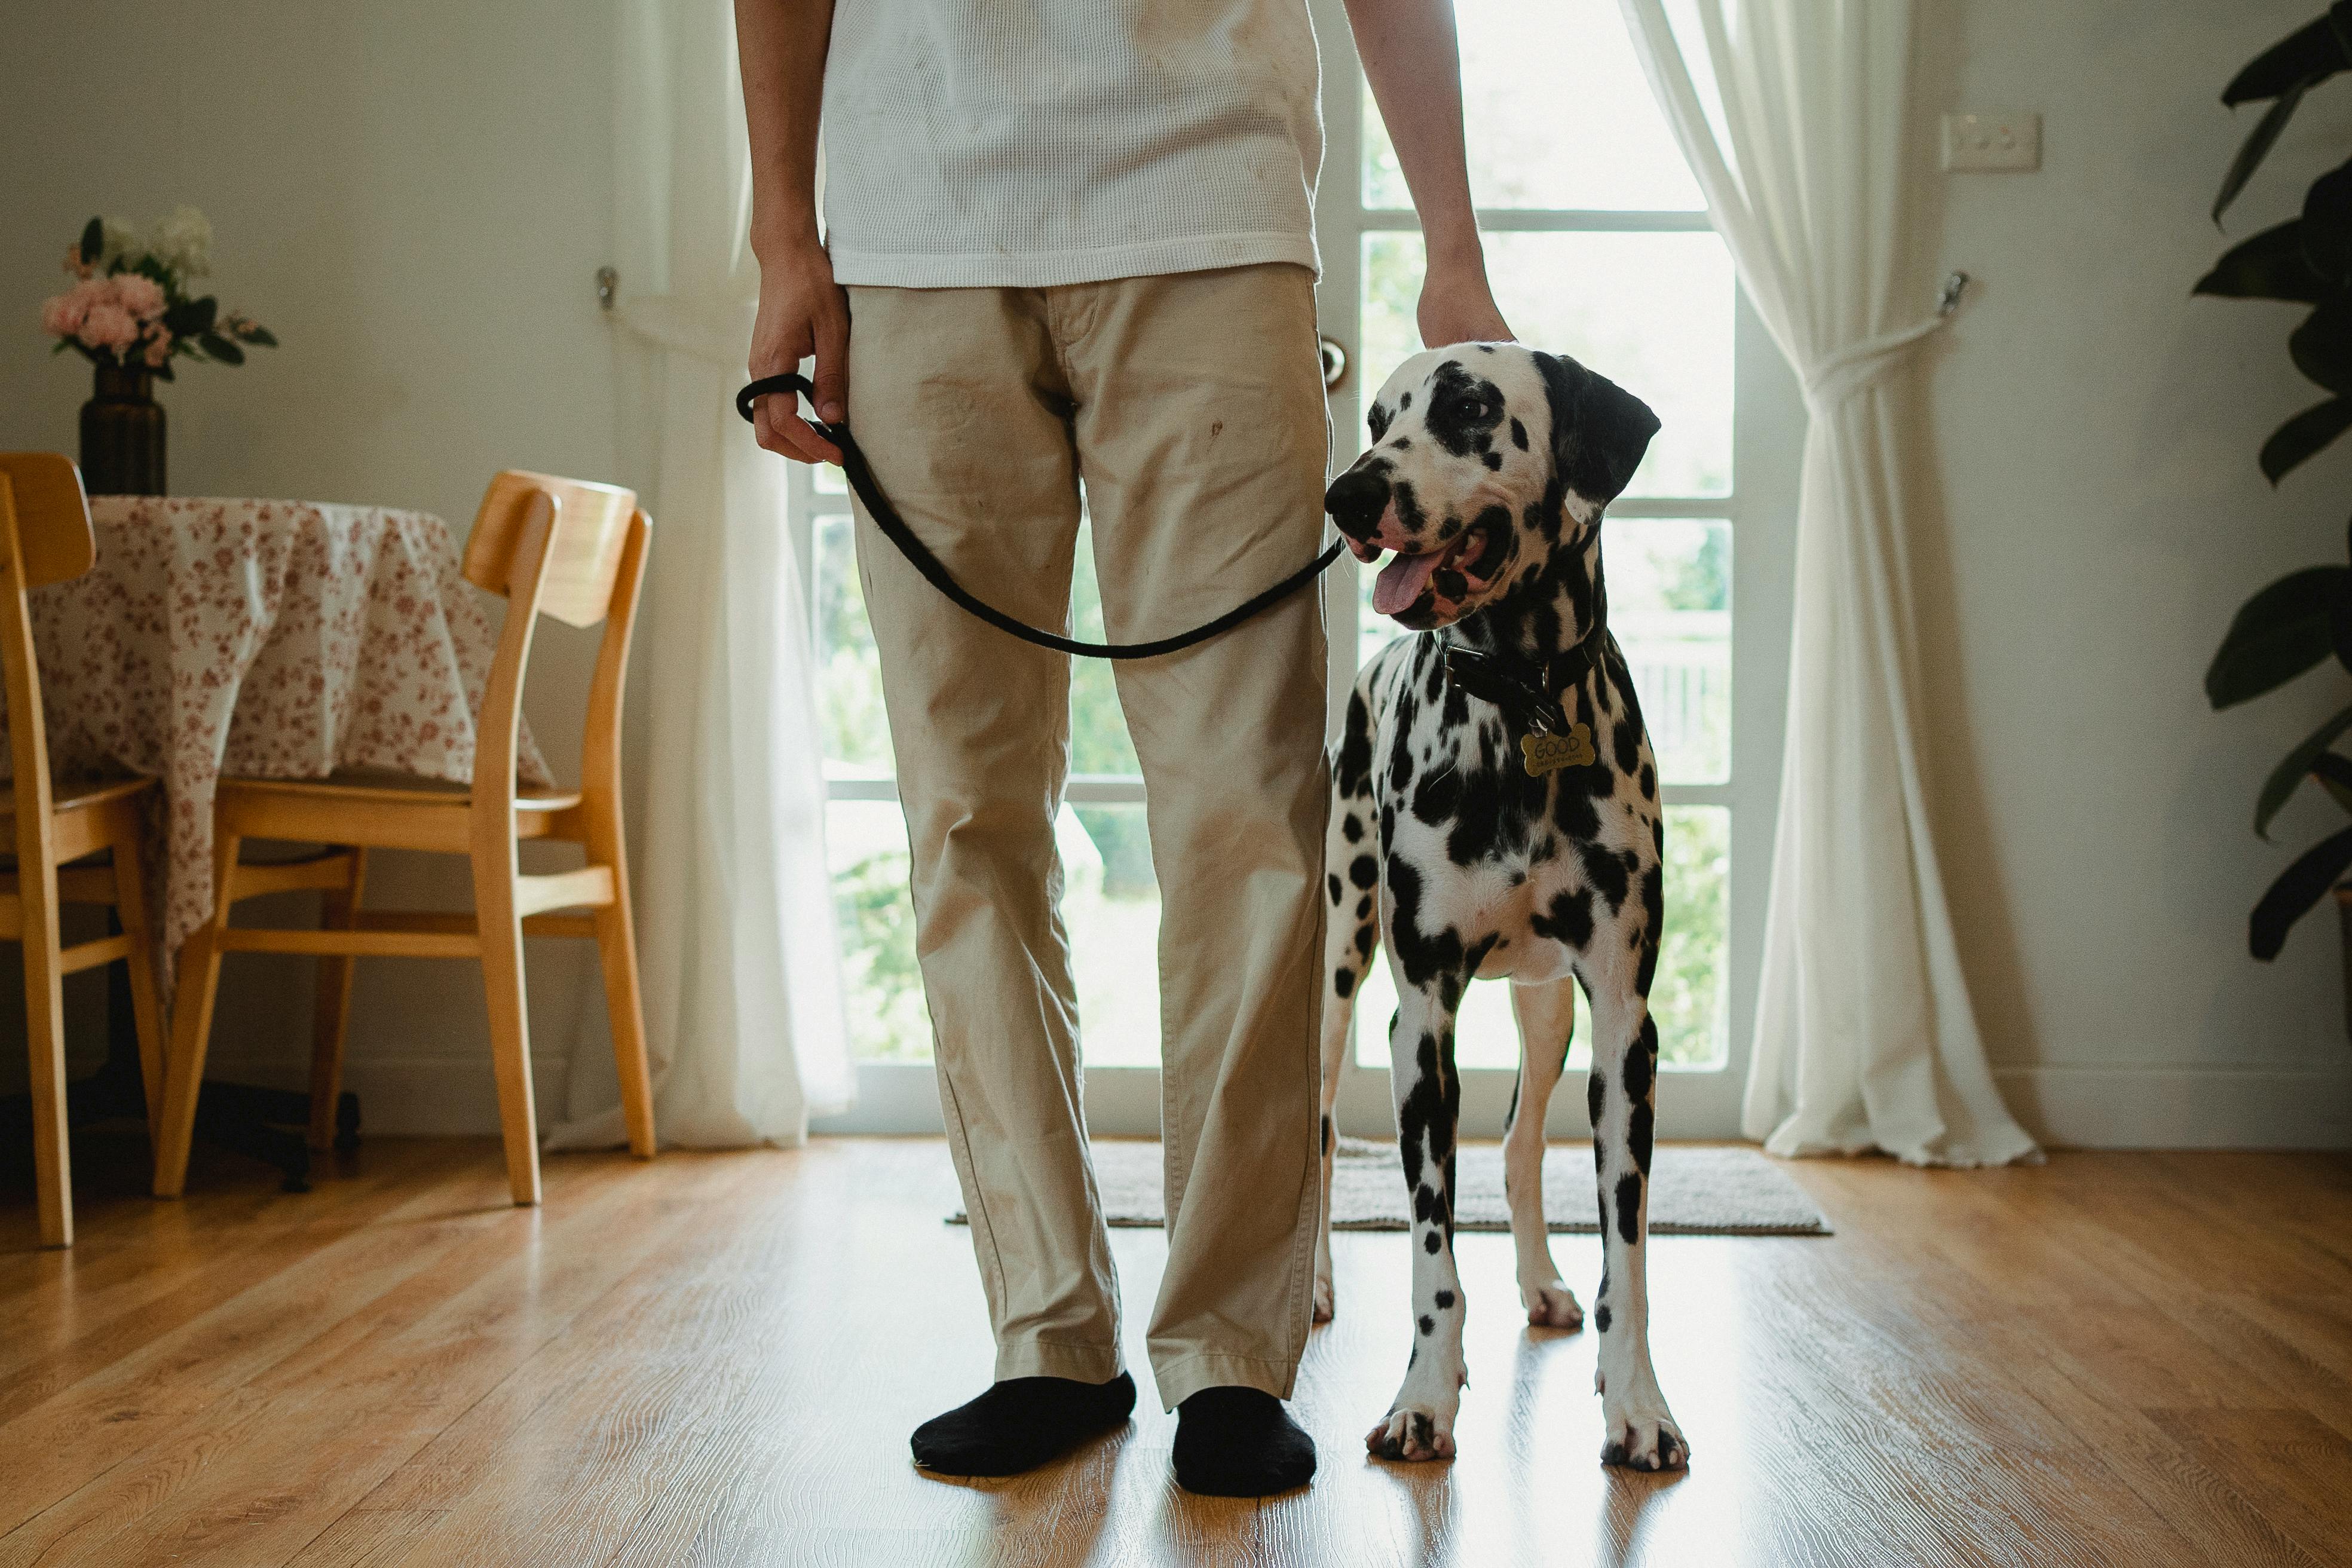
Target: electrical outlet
[[1992, 141]]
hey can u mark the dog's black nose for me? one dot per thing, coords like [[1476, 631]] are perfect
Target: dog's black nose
[[1356, 501]]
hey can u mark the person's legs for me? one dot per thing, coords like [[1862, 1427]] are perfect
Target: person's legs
[[1202, 436], [958, 403]]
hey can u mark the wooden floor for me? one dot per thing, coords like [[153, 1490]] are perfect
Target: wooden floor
[[2126, 1359]]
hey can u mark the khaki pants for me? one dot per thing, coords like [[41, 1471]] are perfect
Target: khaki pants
[[1193, 406]]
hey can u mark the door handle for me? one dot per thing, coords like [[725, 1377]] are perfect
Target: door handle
[[1335, 362]]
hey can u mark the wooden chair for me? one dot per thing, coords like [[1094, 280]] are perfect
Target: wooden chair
[[45, 537], [552, 546]]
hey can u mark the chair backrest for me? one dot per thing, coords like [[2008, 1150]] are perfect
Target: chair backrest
[[45, 537], [574, 550], [583, 549]]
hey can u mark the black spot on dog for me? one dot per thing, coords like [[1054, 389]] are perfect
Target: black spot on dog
[[1364, 908], [1519, 436], [1424, 1202], [1450, 585], [1338, 891], [1629, 1209], [1649, 781], [1351, 772], [1432, 1243], [1462, 409], [1448, 529], [1494, 459], [1428, 1325], [1608, 876], [1568, 921], [1444, 1299], [1376, 420], [1642, 1062], [1402, 444], [1639, 1134], [1601, 1317], [1653, 925], [1405, 403], [1343, 981], [1364, 940], [1596, 1096], [1364, 872], [1351, 828]]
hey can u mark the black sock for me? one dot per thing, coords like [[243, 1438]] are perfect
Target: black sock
[[1239, 1442], [1021, 1423]]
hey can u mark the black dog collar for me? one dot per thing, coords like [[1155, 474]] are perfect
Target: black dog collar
[[1532, 698]]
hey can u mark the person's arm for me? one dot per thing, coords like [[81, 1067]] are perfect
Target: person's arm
[[1416, 68], [782, 47]]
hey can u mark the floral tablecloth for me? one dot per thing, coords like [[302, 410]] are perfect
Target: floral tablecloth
[[268, 638]]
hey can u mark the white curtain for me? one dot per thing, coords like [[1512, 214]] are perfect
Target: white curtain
[[1794, 116], [735, 929]]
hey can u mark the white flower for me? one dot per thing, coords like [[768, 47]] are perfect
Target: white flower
[[183, 242], [121, 242]]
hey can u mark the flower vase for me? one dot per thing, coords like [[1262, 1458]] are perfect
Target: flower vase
[[122, 434]]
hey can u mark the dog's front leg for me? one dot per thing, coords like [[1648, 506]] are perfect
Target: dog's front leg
[[1640, 1430], [1420, 1423]]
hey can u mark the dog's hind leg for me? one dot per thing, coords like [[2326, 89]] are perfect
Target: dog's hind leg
[[1641, 1431], [1419, 1421], [1546, 1015], [1350, 936]]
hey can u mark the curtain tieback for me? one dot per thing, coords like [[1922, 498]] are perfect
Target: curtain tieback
[[718, 329], [1857, 366]]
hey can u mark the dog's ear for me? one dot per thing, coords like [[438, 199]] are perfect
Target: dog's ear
[[1599, 430]]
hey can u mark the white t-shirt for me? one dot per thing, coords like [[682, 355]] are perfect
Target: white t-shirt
[[1023, 143]]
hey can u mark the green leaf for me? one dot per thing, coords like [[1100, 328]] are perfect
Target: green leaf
[[254, 333], [2327, 224], [2321, 347], [2305, 435], [92, 242], [2270, 265], [2335, 777], [2258, 145], [2276, 635], [221, 349], [2288, 776], [164, 370], [2308, 54], [2298, 887]]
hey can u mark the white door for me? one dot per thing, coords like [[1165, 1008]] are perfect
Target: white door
[[1598, 246]]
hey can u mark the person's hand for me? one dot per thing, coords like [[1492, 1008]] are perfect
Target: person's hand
[[1457, 306], [802, 313]]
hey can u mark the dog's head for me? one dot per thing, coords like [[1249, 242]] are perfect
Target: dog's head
[[1486, 459]]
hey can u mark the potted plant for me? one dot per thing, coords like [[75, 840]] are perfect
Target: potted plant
[[131, 312], [2304, 619]]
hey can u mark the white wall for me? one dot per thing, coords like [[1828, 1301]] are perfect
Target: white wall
[[414, 197], [2097, 430]]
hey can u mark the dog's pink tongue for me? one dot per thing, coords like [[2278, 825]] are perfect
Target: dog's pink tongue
[[1401, 580]]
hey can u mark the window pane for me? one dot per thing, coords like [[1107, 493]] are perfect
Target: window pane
[[849, 678], [1651, 311], [866, 849], [1110, 904], [1098, 739], [1560, 114], [1670, 609], [1688, 995]]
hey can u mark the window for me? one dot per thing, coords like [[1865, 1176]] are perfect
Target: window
[[1598, 246]]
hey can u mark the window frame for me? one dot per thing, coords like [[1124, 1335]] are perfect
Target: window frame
[[1768, 429]]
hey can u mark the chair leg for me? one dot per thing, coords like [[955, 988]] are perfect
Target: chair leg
[[146, 1000], [192, 1023], [330, 1017], [501, 929], [45, 1032], [617, 950]]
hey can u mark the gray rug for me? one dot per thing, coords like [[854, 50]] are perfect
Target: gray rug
[[1693, 1191]]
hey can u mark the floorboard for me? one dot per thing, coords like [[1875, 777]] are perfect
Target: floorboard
[[715, 1358]]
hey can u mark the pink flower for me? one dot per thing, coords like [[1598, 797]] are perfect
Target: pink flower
[[158, 351], [61, 314], [142, 296], [107, 326]]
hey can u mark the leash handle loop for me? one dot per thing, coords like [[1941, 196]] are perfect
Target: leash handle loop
[[918, 555]]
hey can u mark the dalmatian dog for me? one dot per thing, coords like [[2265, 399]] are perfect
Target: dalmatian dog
[[1497, 815]]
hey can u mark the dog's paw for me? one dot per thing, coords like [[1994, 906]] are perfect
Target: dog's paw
[[1323, 1298], [1646, 1443], [1551, 1306], [1406, 1433]]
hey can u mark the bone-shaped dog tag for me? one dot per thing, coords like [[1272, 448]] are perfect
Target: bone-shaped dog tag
[[1549, 754]]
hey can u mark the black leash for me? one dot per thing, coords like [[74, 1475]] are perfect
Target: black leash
[[893, 529]]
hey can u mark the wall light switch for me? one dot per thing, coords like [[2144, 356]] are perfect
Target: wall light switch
[[1987, 141]]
